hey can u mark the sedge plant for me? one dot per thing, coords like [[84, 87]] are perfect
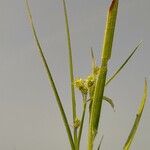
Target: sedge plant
[[93, 86]]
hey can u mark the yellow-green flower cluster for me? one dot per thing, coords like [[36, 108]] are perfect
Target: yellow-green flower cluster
[[77, 123], [86, 86], [96, 70], [81, 85], [90, 81]]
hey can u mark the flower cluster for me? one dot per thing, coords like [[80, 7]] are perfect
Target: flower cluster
[[90, 81], [96, 70], [88, 84], [81, 85], [77, 123]]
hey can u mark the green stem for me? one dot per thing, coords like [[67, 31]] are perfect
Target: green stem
[[82, 120], [51, 80], [100, 83], [96, 106], [71, 70]]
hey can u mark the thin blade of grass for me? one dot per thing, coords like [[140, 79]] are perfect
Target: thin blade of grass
[[137, 120], [124, 63], [71, 69], [99, 146], [50, 78], [93, 60], [110, 101], [100, 83]]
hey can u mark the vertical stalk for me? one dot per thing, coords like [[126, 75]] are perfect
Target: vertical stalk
[[100, 84], [71, 70], [82, 120]]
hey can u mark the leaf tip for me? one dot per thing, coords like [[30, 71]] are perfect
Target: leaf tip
[[113, 4]]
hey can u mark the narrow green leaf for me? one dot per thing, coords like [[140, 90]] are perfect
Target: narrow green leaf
[[71, 69], [99, 146], [50, 79], [93, 60], [137, 119], [110, 101], [124, 63]]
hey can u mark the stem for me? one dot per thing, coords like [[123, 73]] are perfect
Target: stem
[[82, 120], [96, 106], [100, 83], [51, 80], [71, 70]]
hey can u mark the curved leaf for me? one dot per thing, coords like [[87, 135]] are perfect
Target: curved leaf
[[110, 101], [137, 120]]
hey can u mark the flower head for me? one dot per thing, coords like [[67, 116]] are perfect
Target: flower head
[[90, 81], [77, 123], [81, 85], [96, 70]]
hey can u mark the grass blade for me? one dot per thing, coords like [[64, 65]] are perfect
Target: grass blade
[[125, 62], [137, 120], [110, 101], [50, 79], [71, 69], [99, 146], [93, 60], [100, 84]]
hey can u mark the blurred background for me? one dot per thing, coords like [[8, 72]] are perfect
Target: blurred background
[[29, 117]]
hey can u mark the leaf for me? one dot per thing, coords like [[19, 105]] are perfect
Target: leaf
[[137, 119], [99, 146], [71, 69], [50, 78], [124, 63], [110, 101], [93, 60]]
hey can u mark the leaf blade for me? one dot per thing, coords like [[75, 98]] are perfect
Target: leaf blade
[[99, 146], [110, 101], [70, 68], [124, 63], [50, 78], [137, 119]]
